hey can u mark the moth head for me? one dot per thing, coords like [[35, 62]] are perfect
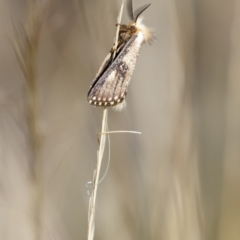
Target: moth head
[[136, 24]]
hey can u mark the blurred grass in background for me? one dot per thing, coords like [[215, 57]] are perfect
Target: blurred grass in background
[[179, 180]]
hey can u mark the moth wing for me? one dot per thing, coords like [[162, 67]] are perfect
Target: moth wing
[[139, 11], [111, 87], [105, 64], [103, 67]]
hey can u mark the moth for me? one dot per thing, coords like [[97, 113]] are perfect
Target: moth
[[110, 85]]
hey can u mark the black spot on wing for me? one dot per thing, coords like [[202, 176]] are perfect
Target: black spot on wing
[[122, 70]]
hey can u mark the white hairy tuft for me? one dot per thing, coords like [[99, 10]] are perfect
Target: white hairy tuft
[[148, 33], [120, 106]]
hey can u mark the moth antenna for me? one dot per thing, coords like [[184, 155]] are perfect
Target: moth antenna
[[139, 10], [130, 10]]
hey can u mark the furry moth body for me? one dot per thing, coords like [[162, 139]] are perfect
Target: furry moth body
[[109, 88]]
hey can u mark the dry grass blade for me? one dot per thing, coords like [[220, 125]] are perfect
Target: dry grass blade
[[118, 27], [135, 132], [96, 172]]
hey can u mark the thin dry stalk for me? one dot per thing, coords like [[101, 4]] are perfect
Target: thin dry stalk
[[118, 27], [96, 172], [135, 132]]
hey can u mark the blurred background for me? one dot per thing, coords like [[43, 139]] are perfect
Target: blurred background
[[179, 180]]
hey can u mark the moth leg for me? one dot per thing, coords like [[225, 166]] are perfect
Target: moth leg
[[121, 25]]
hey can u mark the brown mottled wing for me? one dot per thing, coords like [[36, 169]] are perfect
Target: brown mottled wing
[[109, 88]]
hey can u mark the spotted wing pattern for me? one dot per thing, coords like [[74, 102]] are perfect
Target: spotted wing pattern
[[109, 88]]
